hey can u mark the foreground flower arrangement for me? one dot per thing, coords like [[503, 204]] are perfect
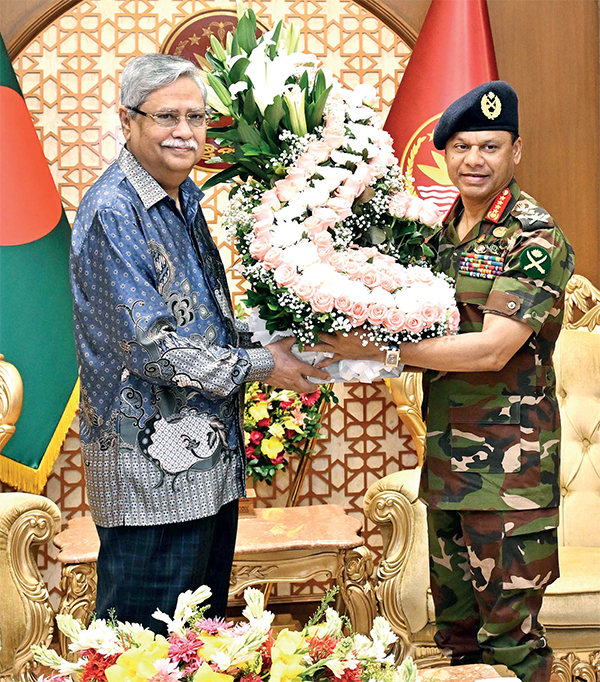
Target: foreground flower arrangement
[[208, 650], [329, 238], [276, 425]]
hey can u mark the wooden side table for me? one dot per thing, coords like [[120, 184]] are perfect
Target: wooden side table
[[278, 544]]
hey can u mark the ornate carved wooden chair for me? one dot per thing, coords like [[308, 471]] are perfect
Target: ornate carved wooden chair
[[571, 611], [26, 617]]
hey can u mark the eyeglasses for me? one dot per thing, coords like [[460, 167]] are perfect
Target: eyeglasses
[[167, 119]]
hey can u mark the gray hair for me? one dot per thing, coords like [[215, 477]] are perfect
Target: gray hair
[[143, 75]]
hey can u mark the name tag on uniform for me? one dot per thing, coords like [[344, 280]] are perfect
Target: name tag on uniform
[[482, 265]]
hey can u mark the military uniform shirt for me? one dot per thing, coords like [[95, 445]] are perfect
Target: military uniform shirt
[[493, 437], [160, 356]]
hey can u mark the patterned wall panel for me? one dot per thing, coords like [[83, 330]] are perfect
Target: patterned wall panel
[[70, 74]]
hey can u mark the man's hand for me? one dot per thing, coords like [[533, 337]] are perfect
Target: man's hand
[[346, 347], [290, 372]]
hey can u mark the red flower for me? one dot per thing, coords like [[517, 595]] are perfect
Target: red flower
[[251, 678], [96, 665], [351, 675], [263, 423], [265, 652], [260, 396], [256, 437], [310, 398], [250, 452], [279, 459], [290, 433], [286, 404], [322, 647]]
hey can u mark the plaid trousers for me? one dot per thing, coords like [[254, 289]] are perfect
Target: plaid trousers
[[142, 568]]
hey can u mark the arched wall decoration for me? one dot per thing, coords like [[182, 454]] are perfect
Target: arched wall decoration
[[69, 74]]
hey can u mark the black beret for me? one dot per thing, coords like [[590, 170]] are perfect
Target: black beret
[[491, 106]]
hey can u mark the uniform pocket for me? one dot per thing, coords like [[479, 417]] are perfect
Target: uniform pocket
[[486, 434]]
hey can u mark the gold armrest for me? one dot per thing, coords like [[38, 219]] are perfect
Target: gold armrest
[[407, 393]]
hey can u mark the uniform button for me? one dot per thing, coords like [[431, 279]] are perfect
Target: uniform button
[[511, 305]]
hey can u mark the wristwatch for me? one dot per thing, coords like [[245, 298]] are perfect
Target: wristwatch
[[392, 356]]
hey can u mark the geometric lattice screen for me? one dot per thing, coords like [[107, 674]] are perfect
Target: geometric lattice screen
[[69, 75]]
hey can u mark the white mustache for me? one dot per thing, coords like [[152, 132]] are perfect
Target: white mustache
[[172, 142]]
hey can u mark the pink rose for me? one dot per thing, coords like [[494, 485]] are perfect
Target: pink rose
[[269, 198], [307, 164], [322, 239], [304, 290], [414, 322], [423, 275], [351, 184], [296, 174], [431, 312], [454, 319], [262, 229], [333, 140], [386, 281], [353, 268], [318, 150], [337, 261], [325, 253], [399, 203], [322, 302], [263, 213], [430, 214], [414, 208], [285, 190], [343, 303], [346, 192], [314, 226], [395, 320], [327, 216], [377, 313], [370, 276], [343, 207], [363, 173], [259, 247], [274, 257], [286, 275], [359, 314]]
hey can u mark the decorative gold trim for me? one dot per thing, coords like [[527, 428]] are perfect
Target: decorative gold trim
[[17, 44], [357, 587], [11, 400], [78, 584], [581, 297], [570, 667], [27, 521], [407, 393]]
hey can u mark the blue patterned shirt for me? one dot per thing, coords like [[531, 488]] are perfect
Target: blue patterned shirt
[[160, 355]]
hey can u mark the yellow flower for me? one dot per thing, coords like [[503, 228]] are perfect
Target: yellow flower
[[212, 643], [286, 655], [271, 447], [206, 674], [259, 410], [291, 424], [137, 663], [277, 430]]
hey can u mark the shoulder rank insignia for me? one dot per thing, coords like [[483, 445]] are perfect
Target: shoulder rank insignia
[[535, 261], [500, 203], [532, 213]]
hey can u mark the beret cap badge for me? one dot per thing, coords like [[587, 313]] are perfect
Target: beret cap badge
[[491, 106]]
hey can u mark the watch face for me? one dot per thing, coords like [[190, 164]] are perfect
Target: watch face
[[392, 358]]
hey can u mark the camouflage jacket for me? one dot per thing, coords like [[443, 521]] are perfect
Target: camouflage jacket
[[493, 437]]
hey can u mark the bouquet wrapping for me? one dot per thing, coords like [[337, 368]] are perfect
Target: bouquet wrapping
[[330, 239]]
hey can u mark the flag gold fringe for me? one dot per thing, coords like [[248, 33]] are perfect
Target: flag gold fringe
[[30, 480]]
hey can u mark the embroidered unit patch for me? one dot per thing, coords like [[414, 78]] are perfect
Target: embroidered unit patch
[[482, 265], [535, 261]]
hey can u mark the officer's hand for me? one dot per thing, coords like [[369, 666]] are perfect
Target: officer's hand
[[289, 372]]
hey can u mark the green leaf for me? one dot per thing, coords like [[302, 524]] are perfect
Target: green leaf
[[276, 33], [376, 234], [250, 112], [248, 133], [315, 117], [274, 112], [223, 176], [246, 32], [303, 82], [237, 71], [254, 169], [320, 85]]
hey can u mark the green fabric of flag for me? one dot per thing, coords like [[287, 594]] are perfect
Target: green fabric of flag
[[36, 334]]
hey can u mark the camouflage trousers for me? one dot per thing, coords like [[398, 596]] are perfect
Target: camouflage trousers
[[489, 571]]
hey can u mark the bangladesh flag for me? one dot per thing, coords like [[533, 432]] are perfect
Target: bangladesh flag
[[36, 334]]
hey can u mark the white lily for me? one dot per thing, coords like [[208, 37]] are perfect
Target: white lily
[[69, 626], [294, 97], [268, 76], [184, 609], [50, 658]]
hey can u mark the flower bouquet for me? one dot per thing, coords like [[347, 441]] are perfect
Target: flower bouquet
[[330, 239], [199, 649], [276, 423]]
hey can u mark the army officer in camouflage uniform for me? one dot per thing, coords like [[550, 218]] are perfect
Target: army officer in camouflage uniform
[[490, 478]]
